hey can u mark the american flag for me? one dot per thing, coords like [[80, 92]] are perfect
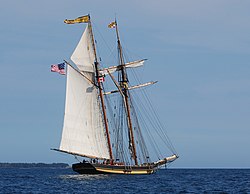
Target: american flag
[[59, 68]]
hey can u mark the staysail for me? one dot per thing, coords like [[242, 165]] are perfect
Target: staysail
[[83, 55], [83, 130]]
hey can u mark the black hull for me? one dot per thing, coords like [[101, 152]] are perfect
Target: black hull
[[93, 168], [85, 168]]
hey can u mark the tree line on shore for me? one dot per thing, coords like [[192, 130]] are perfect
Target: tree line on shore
[[33, 165]]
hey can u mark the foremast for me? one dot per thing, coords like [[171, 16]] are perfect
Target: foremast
[[123, 81], [98, 81]]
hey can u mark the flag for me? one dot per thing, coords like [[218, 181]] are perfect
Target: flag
[[112, 25], [59, 68], [101, 79], [54, 68], [82, 19]]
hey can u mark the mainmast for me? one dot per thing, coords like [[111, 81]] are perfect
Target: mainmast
[[124, 86], [100, 89]]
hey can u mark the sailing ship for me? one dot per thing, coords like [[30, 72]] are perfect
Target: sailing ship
[[104, 127]]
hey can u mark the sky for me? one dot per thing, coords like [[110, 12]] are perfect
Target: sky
[[199, 51]]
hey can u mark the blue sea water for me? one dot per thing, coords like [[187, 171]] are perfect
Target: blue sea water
[[64, 180]]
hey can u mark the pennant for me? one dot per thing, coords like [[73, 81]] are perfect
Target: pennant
[[112, 25], [82, 19], [59, 68]]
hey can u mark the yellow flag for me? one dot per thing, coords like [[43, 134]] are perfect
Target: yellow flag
[[112, 25], [69, 21], [82, 19]]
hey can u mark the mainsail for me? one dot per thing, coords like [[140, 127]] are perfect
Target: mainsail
[[83, 56], [83, 130]]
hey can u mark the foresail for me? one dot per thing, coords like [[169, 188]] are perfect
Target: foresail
[[83, 130], [83, 56]]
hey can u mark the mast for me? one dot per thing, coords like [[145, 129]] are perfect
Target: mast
[[124, 86], [100, 90]]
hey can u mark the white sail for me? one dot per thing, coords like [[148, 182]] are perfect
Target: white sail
[[135, 63], [117, 68], [133, 87], [83, 56], [83, 130]]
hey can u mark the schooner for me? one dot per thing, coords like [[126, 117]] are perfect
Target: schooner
[[108, 133]]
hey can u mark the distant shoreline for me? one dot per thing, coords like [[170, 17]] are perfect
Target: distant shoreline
[[33, 165]]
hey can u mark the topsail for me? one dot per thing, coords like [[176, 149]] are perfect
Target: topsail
[[83, 56]]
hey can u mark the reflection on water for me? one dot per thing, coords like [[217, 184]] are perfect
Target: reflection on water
[[84, 176]]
